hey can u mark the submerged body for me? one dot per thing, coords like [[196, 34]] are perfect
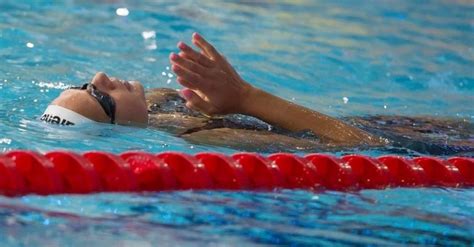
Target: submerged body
[[168, 112]]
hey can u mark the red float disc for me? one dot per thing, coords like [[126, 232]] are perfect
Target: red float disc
[[152, 173], [11, 183], [189, 172], [77, 173], [440, 172], [114, 173], [332, 172], [465, 167], [404, 172], [224, 171], [297, 172], [370, 173], [38, 172], [260, 171]]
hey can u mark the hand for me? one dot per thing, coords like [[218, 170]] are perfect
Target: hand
[[212, 86]]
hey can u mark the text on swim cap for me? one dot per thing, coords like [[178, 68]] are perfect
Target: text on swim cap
[[53, 119]]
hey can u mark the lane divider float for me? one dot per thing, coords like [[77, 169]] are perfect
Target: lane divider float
[[57, 172]]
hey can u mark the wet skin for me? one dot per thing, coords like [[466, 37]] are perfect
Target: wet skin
[[425, 135], [213, 88], [165, 109], [167, 114]]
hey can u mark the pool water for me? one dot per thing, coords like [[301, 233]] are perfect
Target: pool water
[[344, 58]]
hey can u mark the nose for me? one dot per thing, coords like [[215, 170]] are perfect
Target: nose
[[101, 81], [138, 86]]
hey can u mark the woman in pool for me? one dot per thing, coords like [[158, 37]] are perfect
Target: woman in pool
[[213, 88]]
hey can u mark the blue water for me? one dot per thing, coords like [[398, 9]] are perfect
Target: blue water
[[383, 57]]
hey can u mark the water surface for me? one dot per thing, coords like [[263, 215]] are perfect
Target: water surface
[[342, 58]]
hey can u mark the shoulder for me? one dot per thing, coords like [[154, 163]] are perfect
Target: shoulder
[[159, 95]]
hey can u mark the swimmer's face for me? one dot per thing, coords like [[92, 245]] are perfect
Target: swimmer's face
[[129, 98]]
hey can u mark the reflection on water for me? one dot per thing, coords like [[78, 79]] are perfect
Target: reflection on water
[[214, 218]]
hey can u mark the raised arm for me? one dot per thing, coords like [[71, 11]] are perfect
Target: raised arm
[[212, 86]]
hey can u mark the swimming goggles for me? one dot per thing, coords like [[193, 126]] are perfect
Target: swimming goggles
[[105, 100]]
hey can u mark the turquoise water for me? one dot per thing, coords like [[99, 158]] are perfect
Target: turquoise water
[[345, 58]]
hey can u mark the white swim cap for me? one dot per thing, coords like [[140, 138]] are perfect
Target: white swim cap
[[59, 115]]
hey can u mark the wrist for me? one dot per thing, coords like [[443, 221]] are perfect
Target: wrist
[[250, 101]]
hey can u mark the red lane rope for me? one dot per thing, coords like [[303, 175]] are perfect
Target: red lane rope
[[25, 172]]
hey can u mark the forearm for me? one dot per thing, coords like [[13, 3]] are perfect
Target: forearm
[[282, 113], [212, 86]]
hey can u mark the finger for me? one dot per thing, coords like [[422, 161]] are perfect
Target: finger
[[195, 102], [186, 83], [229, 68], [190, 53], [189, 76], [210, 51], [206, 47], [188, 64]]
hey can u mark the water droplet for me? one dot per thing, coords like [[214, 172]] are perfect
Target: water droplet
[[170, 75], [148, 34], [167, 67], [122, 11], [163, 73], [30, 45], [168, 81], [5, 141], [345, 100], [384, 106], [151, 45]]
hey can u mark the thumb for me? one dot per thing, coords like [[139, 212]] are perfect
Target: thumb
[[195, 102]]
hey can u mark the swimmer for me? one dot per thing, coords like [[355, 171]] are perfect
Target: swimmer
[[204, 112]]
